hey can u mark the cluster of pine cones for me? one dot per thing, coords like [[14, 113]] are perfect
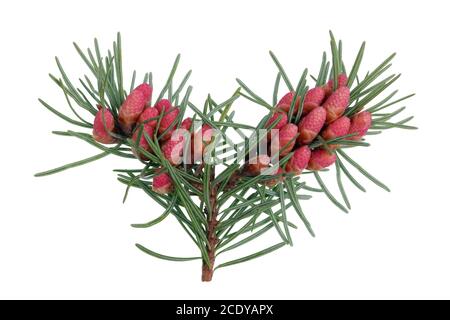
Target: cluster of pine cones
[[322, 115], [136, 119]]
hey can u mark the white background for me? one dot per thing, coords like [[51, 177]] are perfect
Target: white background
[[68, 235]]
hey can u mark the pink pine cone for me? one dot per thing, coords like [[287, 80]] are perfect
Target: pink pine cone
[[149, 113], [320, 159], [285, 102], [173, 148], [162, 183], [163, 105], [299, 160], [361, 122], [146, 90], [313, 98], [101, 129], [207, 133], [186, 124], [142, 141], [310, 126], [336, 129], [342, 82], [336, 104], [201, 139], [132, 108], [169, 117], [283, 121], [173, 151], [286, 140]]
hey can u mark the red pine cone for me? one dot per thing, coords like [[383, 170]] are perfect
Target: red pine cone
[[146, 91], [163, 105], [207, 133], [285, 102], [186, 124], [173, 150], [142, 141], [320, 159], [162, 183], [313, 98], [133, 106], [310, 126], [361, 122], [337, 103], [299, 160], [201, 139], [169, 117], [283, 121], [336, 129], [342, 82], [102, 129], [147, 114], [286, 140]]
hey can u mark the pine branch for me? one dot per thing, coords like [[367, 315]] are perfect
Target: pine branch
[[226, 201]]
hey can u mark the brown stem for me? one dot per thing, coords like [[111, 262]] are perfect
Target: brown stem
[[208, 270]]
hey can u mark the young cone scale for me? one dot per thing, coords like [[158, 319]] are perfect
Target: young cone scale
[[310, 126], [173, 151], [313, 98], [342, 82], [163, 105], [202, 138], [336, 104], [283, 121], [186, 124], [173, 148], [146, 90], [337, 128], [133, 106], [285, 102], [299, 160], [320, 159], [361, 122], [147, 114], [162, 183], [142, 141], [285, 141], [103, 125], [168, 118]]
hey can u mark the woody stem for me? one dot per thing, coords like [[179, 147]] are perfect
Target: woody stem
[[208, 270]]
